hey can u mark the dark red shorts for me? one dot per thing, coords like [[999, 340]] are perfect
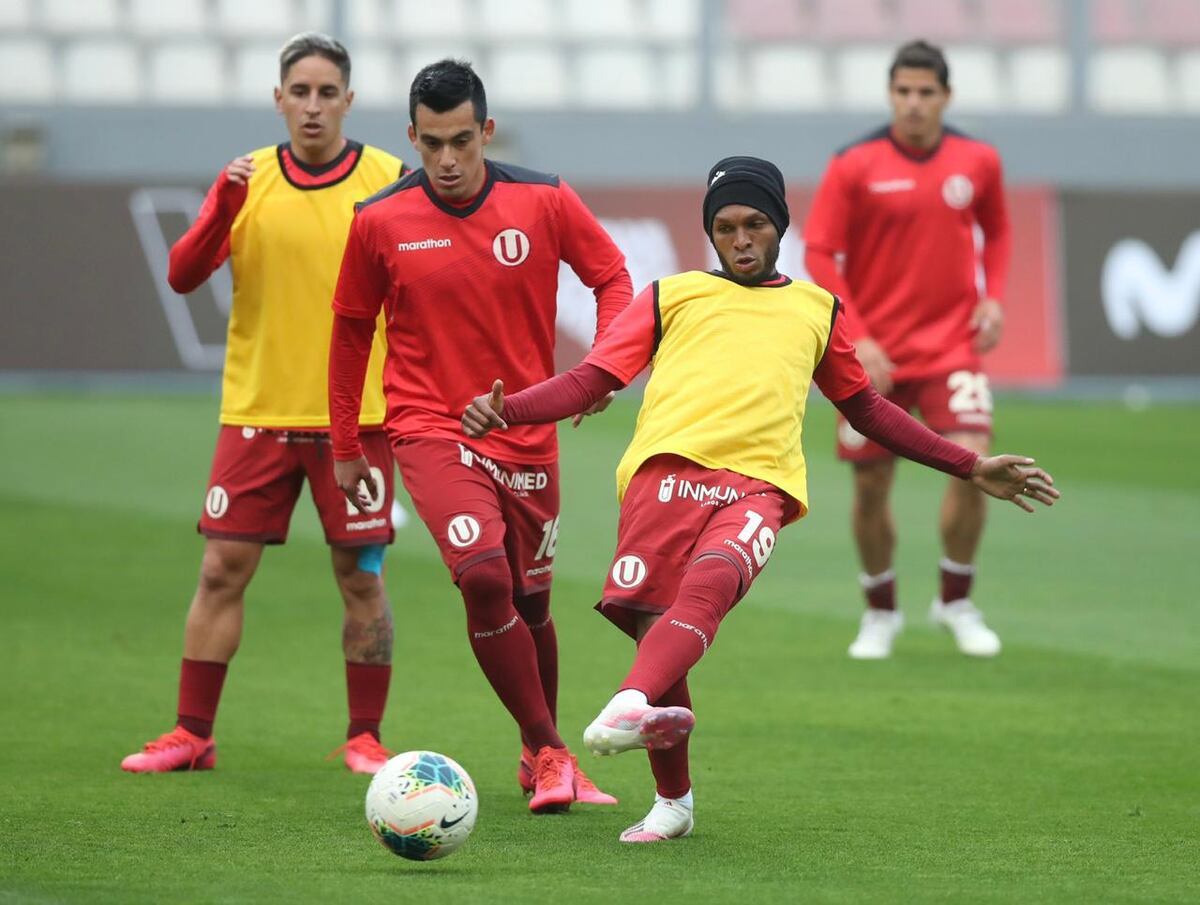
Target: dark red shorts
[[256, 479], [676, 510], [478, 508], [959, 401]]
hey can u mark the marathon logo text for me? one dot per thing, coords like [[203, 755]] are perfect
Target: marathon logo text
[[522, 481], [423, 244], [687, 626], [367, 524], [671, 487]]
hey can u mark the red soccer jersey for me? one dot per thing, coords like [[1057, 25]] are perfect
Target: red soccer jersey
[[905, 223], [470, 294]]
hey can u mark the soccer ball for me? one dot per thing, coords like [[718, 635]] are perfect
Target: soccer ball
[[422, 805]]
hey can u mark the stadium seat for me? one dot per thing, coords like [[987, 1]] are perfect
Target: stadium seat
[[610, 19], [1173, 22], [672, 19], [862, 77], [505, 19], [528, 78], [179, 17], [187, 73], [424, 19], [262, 18], [368, 19], [373, 76], [772, 19], [1115, 21], [73, 16], [1039, 79], [616, 77], [26, 71], [854, 20], [1027, 21], [975, 78], [679, 78], [790, 77], [1129, 80], [1187, 77], [14, 14], [429, 51], [255, 74], [101, 71], [936, 20]]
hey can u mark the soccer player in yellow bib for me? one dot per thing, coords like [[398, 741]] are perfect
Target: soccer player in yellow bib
[[281, 215], [716, 467]]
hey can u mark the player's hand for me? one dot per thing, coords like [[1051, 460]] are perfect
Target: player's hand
[[240, 170], [1014, 478], [482, 416], [876, 363], [987, 320], [596, 408], [355, 480]]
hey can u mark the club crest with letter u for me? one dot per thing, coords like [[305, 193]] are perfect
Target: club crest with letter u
[[511, 247]]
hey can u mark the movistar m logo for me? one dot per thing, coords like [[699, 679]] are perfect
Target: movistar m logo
[[423, 245], [1139, 291]]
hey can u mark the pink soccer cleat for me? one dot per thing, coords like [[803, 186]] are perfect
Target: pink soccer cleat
[[363, 754], [586, 791], [553, 780], [174, 750], [525, 771], [625, 728]]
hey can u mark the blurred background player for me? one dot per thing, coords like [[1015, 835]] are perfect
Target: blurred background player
[[280, 215], [902, 205], [716, 467], [463, 255]]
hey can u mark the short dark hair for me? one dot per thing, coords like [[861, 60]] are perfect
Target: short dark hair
[[921, 55], [443, 85], [313, 44]]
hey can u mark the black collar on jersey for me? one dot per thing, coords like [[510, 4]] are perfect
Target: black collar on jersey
[[919, 156], [440, 203], [307, 177], [776, 280]]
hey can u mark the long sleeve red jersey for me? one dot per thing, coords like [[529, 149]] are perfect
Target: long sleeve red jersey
[[905, 221]]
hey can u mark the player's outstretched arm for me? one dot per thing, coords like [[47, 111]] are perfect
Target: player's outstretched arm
[[1014, 478], [551, 400]]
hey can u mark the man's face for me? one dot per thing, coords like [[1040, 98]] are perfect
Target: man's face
[[451, 147], [314, 99], [917, 99], [746, 242]]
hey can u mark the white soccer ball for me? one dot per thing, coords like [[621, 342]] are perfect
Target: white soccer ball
[[422, 805]]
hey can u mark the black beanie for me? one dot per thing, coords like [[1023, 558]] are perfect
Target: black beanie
[[752, 181]]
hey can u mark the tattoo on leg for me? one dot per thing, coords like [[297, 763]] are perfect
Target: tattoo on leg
[[368, 642]]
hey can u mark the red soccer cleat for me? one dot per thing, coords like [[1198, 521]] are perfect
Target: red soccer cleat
[[525, 771], [174, 750], [586, 791], [553, 780], [363, 754]]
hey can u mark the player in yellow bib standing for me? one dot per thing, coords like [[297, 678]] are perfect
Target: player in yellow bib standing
[[281, 215], [716, 467]]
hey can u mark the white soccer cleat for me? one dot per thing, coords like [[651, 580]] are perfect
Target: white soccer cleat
[[670, 818], [965, 623], [876, 633], [623, 728]]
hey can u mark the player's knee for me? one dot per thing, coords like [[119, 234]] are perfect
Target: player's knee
[[225, 571], [487, 587], [534, 608], [872, 486], [359, 572]]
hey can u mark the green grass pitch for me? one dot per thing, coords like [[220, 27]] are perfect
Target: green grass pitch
[[1066, 770]]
